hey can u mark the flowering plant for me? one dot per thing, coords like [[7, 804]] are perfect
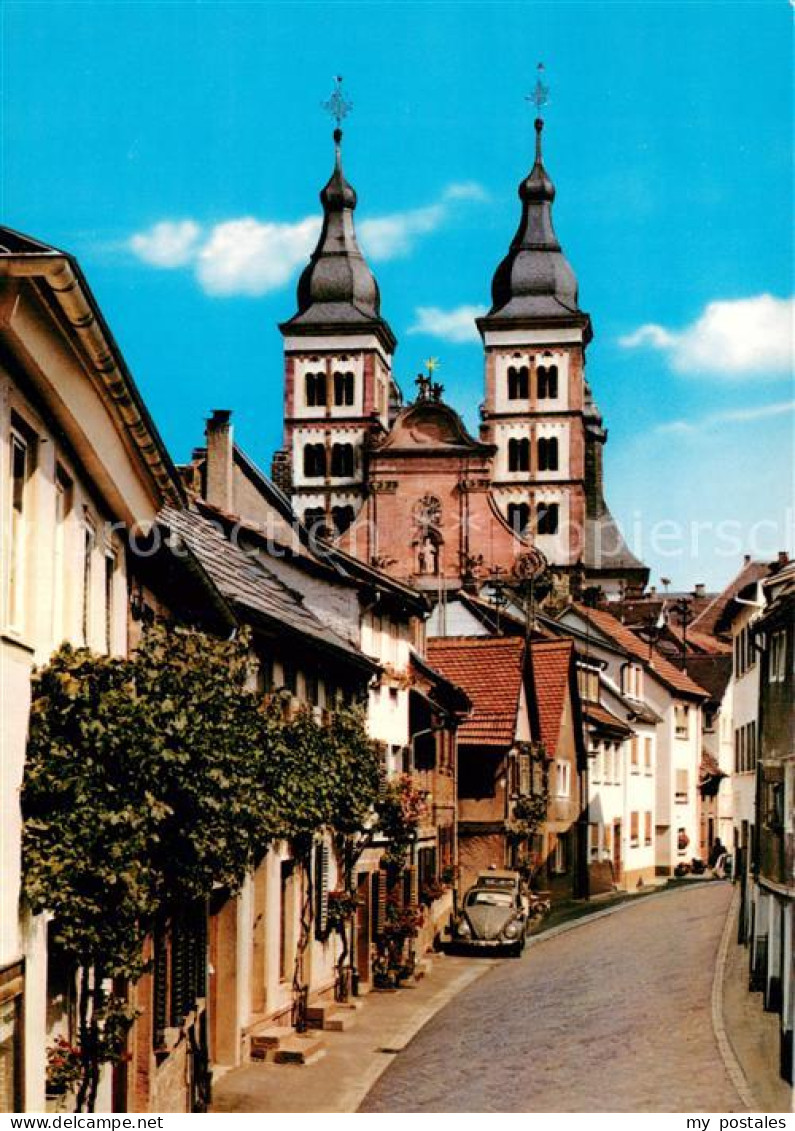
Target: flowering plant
[[431, 891], [403, 922], [64, 1066], [342, 906]]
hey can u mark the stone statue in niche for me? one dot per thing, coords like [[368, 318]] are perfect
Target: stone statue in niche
[[428, 557], [427, 521]]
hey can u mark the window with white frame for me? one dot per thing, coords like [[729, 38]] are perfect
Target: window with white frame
[[89, 543], [777, 665], [681, 720], [682, 787], [21, 460], [647, 828], [634, 829], [593, 840], [562, 779], [596, 765], [648, 755], [63, 506]]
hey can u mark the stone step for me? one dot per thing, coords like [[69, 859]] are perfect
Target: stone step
[[301, 1048], [268, 1040], [333, 1016]]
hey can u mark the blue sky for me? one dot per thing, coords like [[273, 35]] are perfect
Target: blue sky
[[178, 148]]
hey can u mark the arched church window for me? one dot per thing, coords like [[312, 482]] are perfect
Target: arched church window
[[314, 461], [343, 388], [342, 517], [519, 518], [548, 453], [547, 382], [342, 460], [519, 454], [518, 382], [315, 389], [548, 518]]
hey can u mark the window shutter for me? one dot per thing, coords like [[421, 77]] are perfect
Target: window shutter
[[321, 889], [413, 884], [179, 972], [681, 782], [160, 987], [380, 904]]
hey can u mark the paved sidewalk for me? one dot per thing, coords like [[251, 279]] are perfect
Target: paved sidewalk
[[752, 1033], [353, 1060]]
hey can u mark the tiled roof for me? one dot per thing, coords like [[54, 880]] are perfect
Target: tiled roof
[[551, 665], [672, 677], [247, 584], [600, 716], [490, 670]]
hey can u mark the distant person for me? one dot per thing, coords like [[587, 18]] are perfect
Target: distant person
[[717, 859]]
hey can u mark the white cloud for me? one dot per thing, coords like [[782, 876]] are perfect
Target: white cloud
[[252, 257], [731, 338], [171, 243], [249, 256], [729, 416], [457, 325]]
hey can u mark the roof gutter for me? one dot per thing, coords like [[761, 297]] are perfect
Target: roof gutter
[[69, 288]]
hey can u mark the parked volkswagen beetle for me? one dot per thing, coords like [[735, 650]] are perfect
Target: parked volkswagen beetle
[[493, 915]]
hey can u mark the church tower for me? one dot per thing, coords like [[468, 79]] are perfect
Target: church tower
[[538, 410], [337, 365]]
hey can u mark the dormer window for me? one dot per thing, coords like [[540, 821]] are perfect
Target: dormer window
[[548, 453], [518, 382]]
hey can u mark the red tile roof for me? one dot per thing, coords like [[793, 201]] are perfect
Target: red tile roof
[[551, 660], [600, 716], [489, 669], [672, 677]]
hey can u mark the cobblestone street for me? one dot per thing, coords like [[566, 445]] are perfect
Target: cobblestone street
[[613, 1016]]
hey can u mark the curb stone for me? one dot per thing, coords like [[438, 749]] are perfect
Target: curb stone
[[730, 1061]]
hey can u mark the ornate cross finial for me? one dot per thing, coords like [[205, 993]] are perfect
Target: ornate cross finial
[[432, 364], [540, 93], [338, 106]]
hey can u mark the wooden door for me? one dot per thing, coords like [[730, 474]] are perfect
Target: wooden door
[[363, 926]]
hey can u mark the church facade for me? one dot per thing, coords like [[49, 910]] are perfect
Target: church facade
[[405, 486]]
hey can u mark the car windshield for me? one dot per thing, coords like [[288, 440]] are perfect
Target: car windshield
[[489, 898]]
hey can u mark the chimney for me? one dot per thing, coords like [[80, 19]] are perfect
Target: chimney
[[783, 558], [653, 591], [219, 490], [746, 559], [700, 589]]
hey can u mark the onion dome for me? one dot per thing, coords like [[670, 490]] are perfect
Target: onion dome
[[337, 291], [534, 280]]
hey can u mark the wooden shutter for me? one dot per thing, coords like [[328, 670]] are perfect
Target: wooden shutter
[[412, 884], [179, 972], [321, 889], [160, 987], [379, 918]]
